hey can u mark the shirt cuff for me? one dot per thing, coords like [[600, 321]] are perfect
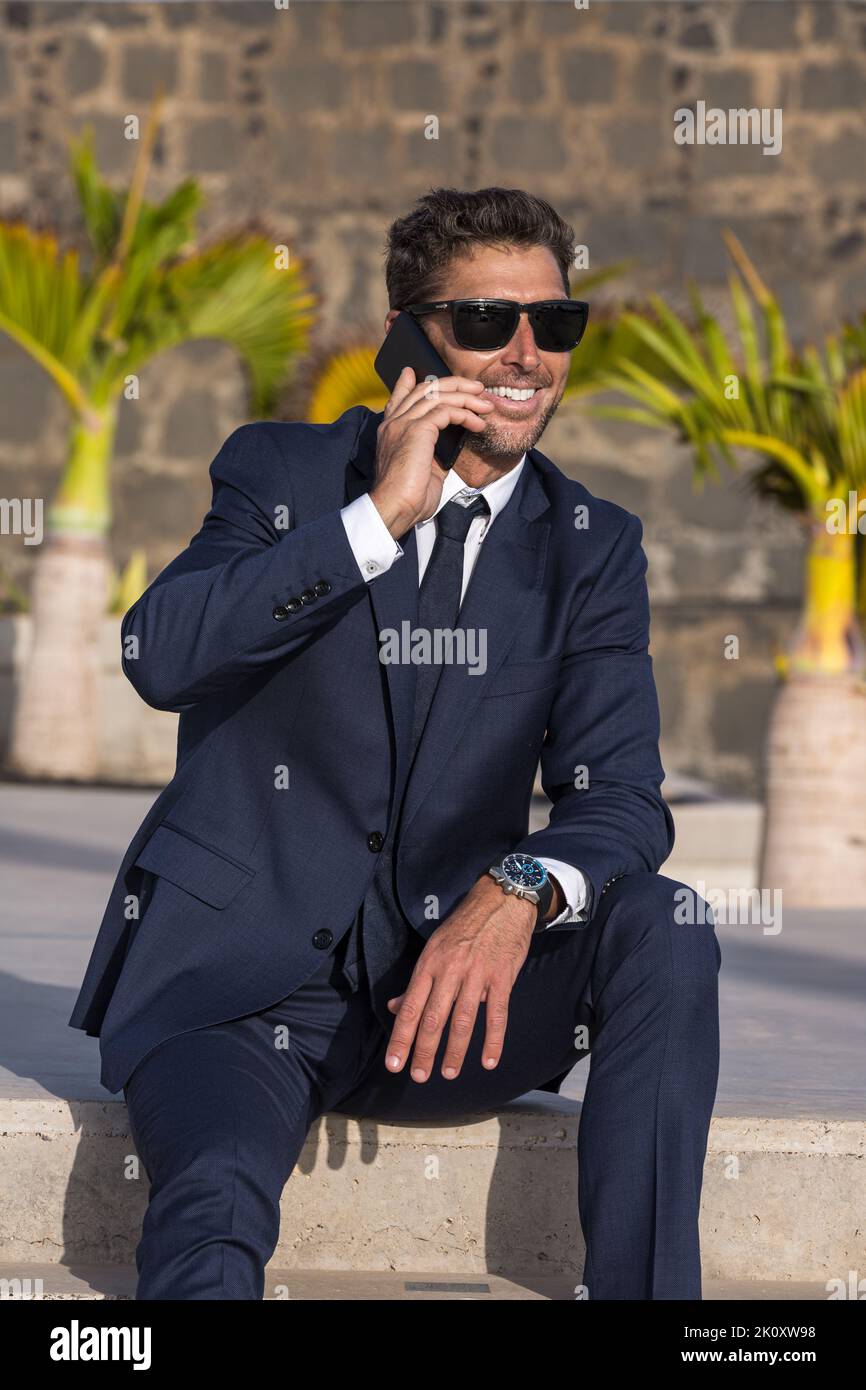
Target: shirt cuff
[[372, 544], [573, 885]]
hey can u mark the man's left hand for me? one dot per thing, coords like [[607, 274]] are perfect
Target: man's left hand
[[474, 957]]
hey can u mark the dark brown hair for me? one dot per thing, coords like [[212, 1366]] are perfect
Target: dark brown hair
[[448, 221]]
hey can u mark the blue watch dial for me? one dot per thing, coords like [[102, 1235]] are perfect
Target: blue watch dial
[[524, 871]]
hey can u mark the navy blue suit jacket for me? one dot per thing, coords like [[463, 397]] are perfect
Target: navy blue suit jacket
[[293, 736]]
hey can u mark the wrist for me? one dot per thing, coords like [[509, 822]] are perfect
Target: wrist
[[526, 880], [522, 910], [397, 516]]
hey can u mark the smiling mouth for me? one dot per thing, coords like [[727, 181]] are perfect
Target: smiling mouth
[[513, 393]]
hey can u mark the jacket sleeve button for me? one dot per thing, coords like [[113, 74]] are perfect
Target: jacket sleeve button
[[308, 596], [280, 612], [322, 587], [293, 604]]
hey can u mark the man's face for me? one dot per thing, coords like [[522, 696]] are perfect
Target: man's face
[[508, 273]]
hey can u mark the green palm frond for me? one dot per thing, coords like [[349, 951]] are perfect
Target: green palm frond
[[101, 207], [41, 296], [609, 337], [232, 291], [159, 236], [852, 430], [146, 288], [90, 331], [750, 392]]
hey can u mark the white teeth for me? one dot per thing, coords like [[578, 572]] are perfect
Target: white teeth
[[511, 393]]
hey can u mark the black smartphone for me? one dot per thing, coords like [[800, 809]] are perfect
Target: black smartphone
[[407, 345]]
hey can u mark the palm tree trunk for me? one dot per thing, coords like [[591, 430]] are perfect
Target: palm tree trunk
[[55, 727], [815, 827], [814, 846], [828, 640]]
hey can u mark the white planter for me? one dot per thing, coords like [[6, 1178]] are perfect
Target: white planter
[[136, 744]]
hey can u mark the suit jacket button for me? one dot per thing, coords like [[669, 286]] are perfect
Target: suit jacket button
[[375, 841], [308, 596], [323, 939], [293, 604], [322, 587], [280, 612]]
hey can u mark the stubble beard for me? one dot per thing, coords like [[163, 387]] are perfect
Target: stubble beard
[[496, 443]]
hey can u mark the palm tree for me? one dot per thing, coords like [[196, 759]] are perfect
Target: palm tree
[[146, 289], [804, 413]]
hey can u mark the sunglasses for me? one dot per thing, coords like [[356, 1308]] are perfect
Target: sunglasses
[[482, 325]]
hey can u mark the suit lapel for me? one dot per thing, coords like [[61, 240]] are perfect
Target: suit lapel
[[393, 598]]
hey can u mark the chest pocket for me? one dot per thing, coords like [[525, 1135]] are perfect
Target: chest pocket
[[516, 676], [204, 872]]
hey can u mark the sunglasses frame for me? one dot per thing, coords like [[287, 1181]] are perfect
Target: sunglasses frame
[[416, 310]]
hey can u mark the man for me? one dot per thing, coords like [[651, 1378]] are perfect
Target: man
[[307, 919]]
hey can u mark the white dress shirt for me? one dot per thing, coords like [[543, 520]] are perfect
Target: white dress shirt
[[376, 550]]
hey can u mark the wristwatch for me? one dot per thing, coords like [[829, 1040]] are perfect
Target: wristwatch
[[527, 878]]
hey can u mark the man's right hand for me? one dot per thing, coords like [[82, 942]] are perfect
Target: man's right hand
[[409, 480]]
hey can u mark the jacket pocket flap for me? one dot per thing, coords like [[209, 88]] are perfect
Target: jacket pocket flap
[[204, 872]]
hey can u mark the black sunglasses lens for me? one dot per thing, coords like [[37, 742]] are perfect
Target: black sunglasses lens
[[484, 327], [559, 327]]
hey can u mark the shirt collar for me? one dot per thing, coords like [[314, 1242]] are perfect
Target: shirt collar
[[496, 494]]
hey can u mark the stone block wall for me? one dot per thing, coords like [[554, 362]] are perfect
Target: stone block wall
[[308, 122]]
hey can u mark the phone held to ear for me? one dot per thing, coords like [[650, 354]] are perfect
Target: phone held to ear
[[407, 345]]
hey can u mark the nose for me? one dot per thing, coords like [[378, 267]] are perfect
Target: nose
[[522, 348]]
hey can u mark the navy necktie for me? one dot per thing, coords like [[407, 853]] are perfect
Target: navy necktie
[[439, 597], [390, 946]]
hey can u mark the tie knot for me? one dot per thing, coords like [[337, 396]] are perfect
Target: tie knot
[[455, 518]]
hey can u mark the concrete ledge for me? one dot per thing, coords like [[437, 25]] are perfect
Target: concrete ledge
[[117, 1283], [781, 1202]]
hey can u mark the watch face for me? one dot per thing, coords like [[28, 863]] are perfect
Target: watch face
[[524, 871]]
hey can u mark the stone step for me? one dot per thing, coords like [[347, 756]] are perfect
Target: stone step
[[717, 845], [117, 1282], [782, 1198]]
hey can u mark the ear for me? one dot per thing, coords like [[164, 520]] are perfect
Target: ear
[[389, 319]]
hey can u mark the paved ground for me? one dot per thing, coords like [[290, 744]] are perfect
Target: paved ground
[[793, 1023], [314, 1285]]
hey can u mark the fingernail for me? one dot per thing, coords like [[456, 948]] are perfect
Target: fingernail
[[449, 1072], [490, 1061], [418, 1075], [393, 1060]]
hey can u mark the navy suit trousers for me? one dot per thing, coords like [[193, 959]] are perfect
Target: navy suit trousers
[[219, 1115]]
